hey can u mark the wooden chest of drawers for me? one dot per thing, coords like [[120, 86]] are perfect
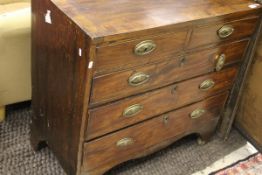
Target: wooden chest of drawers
[[116, 80]]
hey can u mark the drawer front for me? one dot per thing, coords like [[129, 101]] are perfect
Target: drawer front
[[139, 52], [115, 86], [208, 34], [128, 143], [120, 114]]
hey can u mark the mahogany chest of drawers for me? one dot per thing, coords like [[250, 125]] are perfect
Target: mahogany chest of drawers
[[115, 80]]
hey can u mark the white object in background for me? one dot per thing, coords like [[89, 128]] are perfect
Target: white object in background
[[229, 159], [251, 148]]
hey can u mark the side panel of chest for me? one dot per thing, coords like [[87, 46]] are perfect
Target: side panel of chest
[[59, 75], [249, 116]]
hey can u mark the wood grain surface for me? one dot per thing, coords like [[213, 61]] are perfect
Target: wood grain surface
[[58, 77], [104, 20], [208, 34], [83, 56], [249, 116], [102, 154], [110, 117], [114, 86], [121, 56]]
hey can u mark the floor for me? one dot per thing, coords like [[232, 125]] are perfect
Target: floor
[[239, 154], [184, 157]]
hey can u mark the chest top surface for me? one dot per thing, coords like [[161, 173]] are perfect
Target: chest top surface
[[100, 18]]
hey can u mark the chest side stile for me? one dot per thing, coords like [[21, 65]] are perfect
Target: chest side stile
[[233, 102], [91, 52]]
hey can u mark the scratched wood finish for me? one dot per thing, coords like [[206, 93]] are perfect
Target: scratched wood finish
[[103, 153], [58, 77], [237, 91], [207, 34], [156, 102], [103, 22], [249, 115], [121, 56], [63, 76], [164, 73]]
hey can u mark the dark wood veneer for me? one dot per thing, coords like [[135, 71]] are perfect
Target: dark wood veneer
[[102, 154], [59, 77], [207, 34], [121, 56], [116, 20], [108, 118], [81, 62], [164, 73]]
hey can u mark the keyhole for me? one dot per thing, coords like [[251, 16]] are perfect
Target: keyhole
[[182, 61], [166, 119], [147, 49], [173, 91]]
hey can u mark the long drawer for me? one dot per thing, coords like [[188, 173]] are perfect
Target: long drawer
[[122, 84], [125, 112], [126, 144]]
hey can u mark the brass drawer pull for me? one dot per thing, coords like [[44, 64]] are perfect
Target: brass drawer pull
[[197, 113], [221, 60], [138, 79], [225, 31], [145, 47], [132, 110], [206, 85], [125, 142]]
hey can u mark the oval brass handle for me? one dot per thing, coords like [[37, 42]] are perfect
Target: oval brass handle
[[125, 142], [197, 113], [132, 110], [221, 60], [138, 79], [206, 85], [225, 31], [145, 47]]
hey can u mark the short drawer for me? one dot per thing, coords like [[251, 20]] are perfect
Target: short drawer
[[117, 115], [139, 52], [148, 136], [122, 84], [208, 34]]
